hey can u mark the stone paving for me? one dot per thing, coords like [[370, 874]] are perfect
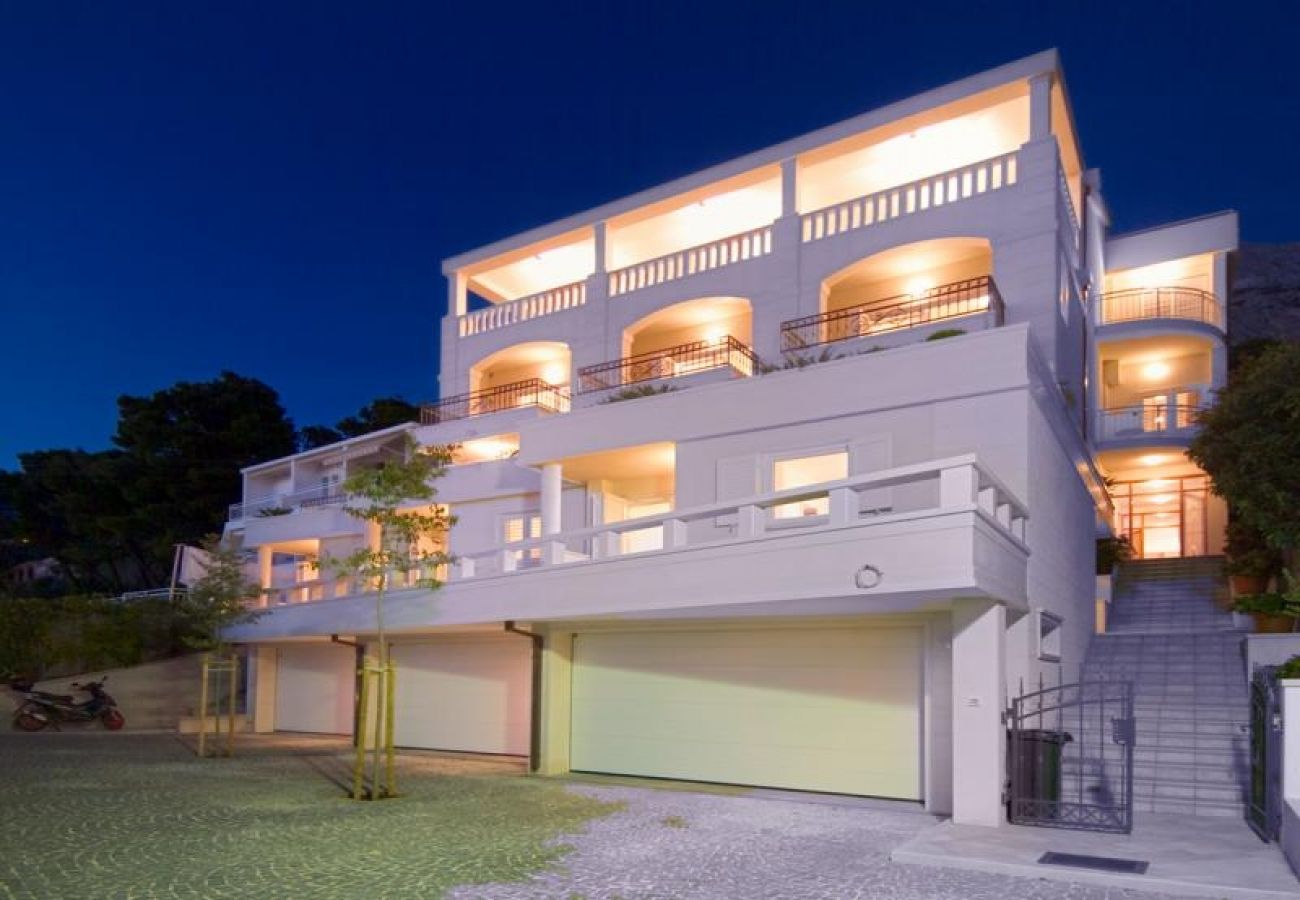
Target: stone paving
[[95, 815]]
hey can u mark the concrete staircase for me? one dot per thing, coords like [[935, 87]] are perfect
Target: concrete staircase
[[1184, 657]]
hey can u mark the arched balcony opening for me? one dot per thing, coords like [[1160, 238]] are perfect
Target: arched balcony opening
[[944, 283], [706, 335], [532, 374]]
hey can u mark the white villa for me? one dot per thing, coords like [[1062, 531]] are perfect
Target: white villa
[[794, 467]]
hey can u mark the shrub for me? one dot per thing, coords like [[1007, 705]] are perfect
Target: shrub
[[946, 333], [1111, 552], [642, 390]]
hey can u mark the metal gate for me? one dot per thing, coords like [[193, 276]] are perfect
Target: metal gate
[[1070, 757], [1264, 806]]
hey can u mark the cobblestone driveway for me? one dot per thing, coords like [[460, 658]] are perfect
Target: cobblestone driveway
[[137, 816]]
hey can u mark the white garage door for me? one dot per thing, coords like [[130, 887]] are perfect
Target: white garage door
[[818, 709], [471, 694], [314, 688]]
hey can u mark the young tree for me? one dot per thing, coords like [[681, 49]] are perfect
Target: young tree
[[218, 599], [395, 499], [1249, 443]]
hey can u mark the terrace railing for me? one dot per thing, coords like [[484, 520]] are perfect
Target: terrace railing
[[674, 362], [1140, 420], [905, 199], [692, 261], [543, 303], [323, 495], [1161, 303], [532, 392], [948, 301]]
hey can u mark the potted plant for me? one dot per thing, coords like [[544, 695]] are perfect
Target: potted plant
[[1251, 561], [1111, 551], [1274, 612]]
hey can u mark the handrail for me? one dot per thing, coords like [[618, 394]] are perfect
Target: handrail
[[1134, 304], [672, 362], [321, 495], [692, 260], [517, 394], [964, 485], [1136, 419], [947, 301], [915, 196], [543, 303]]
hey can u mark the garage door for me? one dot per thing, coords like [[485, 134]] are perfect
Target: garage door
[[470, 694], [821, 710], [314, 688]]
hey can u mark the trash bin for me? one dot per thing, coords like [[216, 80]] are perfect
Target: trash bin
[[1035, 771]]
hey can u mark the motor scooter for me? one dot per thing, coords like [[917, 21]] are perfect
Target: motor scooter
[[40, 709]]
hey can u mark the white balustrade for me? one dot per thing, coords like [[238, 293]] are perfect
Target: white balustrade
[[959, 484], [274, 503], [544, 303], [692, 261], [906, 199]]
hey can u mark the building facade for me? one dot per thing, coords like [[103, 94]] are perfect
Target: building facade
[[793, 467]]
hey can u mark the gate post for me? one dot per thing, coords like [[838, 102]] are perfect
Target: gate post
[[1290, 762], [978, 693]]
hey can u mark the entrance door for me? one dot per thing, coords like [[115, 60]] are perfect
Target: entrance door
[[825, 709]]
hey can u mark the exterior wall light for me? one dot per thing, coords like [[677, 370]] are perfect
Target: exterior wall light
[[867, 577]]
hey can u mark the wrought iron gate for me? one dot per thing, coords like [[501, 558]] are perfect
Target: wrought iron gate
[[1070, 757], [1263, 806]]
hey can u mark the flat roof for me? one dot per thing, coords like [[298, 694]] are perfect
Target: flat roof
[[1044, 62]]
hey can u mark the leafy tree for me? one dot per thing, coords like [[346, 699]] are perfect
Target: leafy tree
[[396, 498], [219, 598], [185, 446], [1249, 443]]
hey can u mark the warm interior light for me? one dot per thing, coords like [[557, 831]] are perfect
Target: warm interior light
[[554, 373], [1152, 459], [1162, 498], [1154, 371], [919, 285], [715, 334]]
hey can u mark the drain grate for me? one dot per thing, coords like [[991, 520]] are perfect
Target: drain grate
[[1098, 863]]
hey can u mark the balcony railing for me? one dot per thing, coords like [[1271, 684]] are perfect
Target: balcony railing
[[1160, 303], [566, 296], [896, 202], [948, 301], [309, 591], [674, 362], [692, 261], [324, 495], [1147, 420], [959, 484], [516, 395]]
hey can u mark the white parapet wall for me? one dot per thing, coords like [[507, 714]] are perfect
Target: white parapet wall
[[1290, 837], [1269, 650]]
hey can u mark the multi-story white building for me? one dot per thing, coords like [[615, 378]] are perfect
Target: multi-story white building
[[794, 465]]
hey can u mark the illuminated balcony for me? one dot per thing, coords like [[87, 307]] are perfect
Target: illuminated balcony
[[1172, 415], [1137, 304], [530, 393], [723, 355], [974, 301]]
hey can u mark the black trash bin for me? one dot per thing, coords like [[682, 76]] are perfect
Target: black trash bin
[[1036, 770]]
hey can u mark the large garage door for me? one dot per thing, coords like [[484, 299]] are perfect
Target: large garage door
[[817, 709], [314, 688], [470, 694]]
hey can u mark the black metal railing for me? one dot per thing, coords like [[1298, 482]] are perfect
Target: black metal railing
[[948, 301], [531, 392], [673, 362], [1159, 303], [1126, 421]]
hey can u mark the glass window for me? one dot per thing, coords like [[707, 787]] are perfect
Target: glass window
[[800, 471]]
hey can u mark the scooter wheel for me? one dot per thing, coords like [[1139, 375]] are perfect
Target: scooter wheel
[[113, 720], [28, 722]]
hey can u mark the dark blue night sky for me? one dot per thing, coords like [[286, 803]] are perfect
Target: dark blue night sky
[[269, 188]]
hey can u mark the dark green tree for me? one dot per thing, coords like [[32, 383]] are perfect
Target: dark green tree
[[378, 414], [1249, 443]]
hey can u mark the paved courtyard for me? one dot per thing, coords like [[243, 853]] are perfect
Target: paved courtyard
[[95, 815]]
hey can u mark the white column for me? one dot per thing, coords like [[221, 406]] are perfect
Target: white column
[[1290, 688], [978, 735], [1040, 107], [264, 568], [552, 488], [789, 187], [598, 239], [265, 661], [457, 294]]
